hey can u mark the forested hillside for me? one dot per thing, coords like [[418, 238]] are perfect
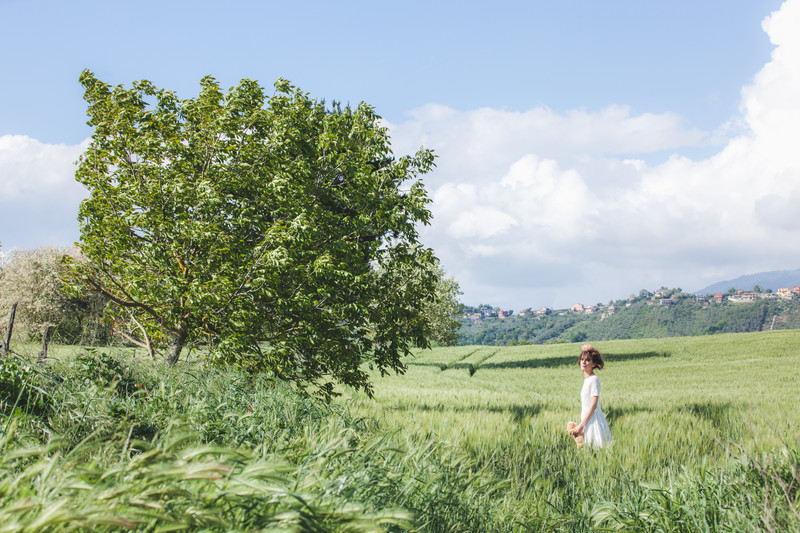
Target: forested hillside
[[640, 318]]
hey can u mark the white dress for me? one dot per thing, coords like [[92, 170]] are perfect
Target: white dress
[[596, 432]]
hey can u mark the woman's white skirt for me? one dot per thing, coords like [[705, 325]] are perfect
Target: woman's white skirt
[[596, 433]]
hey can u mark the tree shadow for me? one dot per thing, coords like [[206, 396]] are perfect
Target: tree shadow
[[440, 366], [518, 412], [614, 413], [570, 360], [458, 363], [713, 413], [521, 412]]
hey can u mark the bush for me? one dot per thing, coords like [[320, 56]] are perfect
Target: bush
[[19, 390], [33, 279]]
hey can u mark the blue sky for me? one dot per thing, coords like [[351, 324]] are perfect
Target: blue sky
[[586, 150], [687, 57]]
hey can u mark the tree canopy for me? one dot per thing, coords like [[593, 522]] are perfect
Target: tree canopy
[[277, 232]]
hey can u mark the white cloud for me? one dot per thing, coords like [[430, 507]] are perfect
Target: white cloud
[[32, 171], [480, 144], [481, 222], [539, 208], [40, 197], [779, 211], [29, 168]]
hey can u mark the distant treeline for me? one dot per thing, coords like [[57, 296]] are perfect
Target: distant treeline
[[636, 319]]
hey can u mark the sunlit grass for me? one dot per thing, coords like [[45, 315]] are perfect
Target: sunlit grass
[[674, 405], [470, 439], [750, 378]]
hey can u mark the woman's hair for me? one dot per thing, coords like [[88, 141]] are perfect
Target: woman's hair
[[589, 352]]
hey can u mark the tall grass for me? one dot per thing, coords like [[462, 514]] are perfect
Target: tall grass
[[472, 439], [697, 423], [120, 445]]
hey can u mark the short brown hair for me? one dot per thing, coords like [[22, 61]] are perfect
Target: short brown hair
[[590, 352]]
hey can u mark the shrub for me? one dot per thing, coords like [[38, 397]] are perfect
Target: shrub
[[33, 279]]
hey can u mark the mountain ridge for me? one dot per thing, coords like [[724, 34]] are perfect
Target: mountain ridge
[[773, 279]]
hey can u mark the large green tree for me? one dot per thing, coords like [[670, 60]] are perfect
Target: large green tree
[[277, 231]]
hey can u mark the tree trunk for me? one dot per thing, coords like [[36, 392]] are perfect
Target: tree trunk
[[7, 346], [48, 330], [177, 345]]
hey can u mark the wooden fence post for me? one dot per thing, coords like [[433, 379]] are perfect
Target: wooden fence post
[[48, 330], [7, 346]]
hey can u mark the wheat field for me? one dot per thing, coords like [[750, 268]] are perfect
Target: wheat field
[[469, 439], [679, 408]]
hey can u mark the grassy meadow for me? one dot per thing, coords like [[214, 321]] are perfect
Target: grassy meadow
[[470, 439], [679, 409]]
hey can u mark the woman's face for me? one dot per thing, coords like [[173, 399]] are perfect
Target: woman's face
[[586, 363]]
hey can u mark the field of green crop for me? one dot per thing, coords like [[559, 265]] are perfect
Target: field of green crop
[[470, 439], [692, 418]]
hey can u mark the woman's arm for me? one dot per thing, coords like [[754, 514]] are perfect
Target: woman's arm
[[592, 407]]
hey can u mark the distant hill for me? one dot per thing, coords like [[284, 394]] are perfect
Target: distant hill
[[643, 317], [766, 280]]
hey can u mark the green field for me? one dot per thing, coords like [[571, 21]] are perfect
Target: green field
[[469, 439], [679, 408]]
